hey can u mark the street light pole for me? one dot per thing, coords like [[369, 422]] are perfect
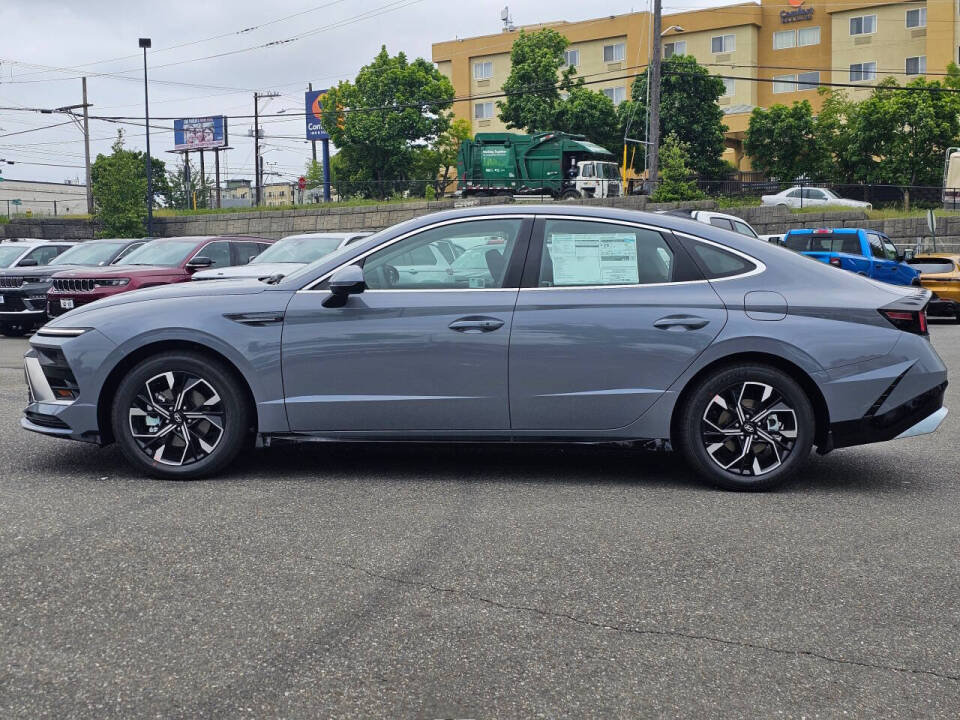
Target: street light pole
[[145, 43]]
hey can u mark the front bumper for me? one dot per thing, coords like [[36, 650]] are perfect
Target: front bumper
[[23, 307]]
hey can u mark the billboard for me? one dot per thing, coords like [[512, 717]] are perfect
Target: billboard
[[313, 102], [202, 133]]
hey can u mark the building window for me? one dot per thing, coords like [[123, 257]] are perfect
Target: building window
[[729, 86], [917, 65], [784, 39], [570, 57], [784, 83], [723, 43], [483, 111], [808, 80], [863, 25], [483, 70], [678, 47], [614, 53], [917, 18], [617, 94], [808, 36], [860, 72]]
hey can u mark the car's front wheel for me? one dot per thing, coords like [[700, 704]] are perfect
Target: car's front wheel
[[746, 427], [180, 415]]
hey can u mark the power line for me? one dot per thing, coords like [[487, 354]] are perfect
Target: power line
[[45, 127]]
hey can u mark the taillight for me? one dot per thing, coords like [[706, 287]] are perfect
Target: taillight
[[835, 261], [912, 321]]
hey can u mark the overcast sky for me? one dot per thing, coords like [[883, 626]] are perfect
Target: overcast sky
[[100, 36]]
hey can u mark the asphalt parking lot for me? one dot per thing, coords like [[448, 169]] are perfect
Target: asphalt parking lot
[[437, 581]]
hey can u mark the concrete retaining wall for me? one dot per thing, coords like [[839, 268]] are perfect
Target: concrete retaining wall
[[766, 220]]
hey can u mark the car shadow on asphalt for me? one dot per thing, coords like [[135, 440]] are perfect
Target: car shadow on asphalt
[[489, 463]]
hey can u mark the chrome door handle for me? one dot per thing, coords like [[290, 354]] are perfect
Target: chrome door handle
[[476, 324], [688, 322]]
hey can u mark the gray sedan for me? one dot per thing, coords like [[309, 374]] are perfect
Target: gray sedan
[[587, 325]]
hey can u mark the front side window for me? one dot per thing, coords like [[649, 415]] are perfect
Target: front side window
[[860, 72], [723, 43], [483, 70], [784, 83], [889, 249], [571, 57], [678, 47], [784, 39], [614, 53], [44, 255], [876, 246], [916, 65], [743, 229], [917, 18], [808, 36], [580, 253], [863, 25], [483, 111], [420, 263], [218, 252]]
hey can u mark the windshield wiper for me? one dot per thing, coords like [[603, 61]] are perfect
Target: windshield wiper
[[273, 279]]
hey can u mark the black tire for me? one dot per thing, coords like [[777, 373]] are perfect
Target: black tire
[[13, 331], [753, 443], [571, 195], [175, 395]]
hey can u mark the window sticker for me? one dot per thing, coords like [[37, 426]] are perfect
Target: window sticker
[[594, 259]]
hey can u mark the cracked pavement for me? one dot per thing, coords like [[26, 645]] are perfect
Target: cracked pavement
[[456, 581]]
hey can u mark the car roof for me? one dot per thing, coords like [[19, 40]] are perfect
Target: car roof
[[808, 231], [327, 235], [207, 238]]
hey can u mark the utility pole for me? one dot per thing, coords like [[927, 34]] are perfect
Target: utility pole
[[86, 147], [145, 43], [257, 162], [653, 83]]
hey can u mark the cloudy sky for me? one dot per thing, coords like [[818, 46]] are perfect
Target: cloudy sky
[[205, 60]]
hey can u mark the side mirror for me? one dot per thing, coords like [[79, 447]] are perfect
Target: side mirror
[[344, 283], [28, 262], [251, 258], [199, 262]]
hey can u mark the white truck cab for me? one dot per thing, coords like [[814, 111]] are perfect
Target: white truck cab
[[595, 179]]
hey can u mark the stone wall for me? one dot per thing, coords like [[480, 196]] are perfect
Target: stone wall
[[276, 224]]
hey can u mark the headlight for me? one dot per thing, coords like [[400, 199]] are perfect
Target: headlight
[[111, 282], [61, 331]]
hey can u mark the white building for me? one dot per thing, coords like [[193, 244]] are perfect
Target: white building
[[41, 198]]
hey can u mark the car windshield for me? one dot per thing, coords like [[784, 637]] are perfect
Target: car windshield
[[167, 253], [931, 265], [95, 253], [9, 254], [298, 250]]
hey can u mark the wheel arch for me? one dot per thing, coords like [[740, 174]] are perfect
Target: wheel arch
[[821, 411], [109, 387]]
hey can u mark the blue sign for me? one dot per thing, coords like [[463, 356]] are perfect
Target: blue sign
[[313, 101], [202, 133]]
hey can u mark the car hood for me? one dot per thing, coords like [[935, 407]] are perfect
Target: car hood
[[122, 271], [42, 271], [251, 270], [163, 292]]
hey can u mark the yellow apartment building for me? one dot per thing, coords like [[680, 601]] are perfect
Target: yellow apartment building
[[774, 51]]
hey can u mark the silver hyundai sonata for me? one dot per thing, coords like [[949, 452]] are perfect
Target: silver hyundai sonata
[[561, 324]]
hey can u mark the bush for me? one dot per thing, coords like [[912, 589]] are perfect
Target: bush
[[675, 182]]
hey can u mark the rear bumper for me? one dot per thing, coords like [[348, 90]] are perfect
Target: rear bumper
[[918, 416], [943, 307]]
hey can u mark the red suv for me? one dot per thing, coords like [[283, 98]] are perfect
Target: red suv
[[159, 262]]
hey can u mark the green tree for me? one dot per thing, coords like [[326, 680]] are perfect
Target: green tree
[[538, 76], [313, 172], [676, 183], [785, 144], [180, 193], [433, 165], [392, 106], [589, 113], [834, 127], [120, 188], [688, 110]]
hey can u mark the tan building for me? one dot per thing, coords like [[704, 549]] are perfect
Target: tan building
[[281, 193], [774, 51]]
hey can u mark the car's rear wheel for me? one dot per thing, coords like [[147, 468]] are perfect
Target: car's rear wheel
[[180, 415], [747, 427]]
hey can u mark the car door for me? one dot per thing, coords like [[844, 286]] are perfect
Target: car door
[[883, 268], [901, 272], [794, 197], [406, 355], [609, 315]]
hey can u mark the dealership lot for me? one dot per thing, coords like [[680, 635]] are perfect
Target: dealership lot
[[439, 581]]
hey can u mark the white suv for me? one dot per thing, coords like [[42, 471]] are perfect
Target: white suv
[[27, 253]]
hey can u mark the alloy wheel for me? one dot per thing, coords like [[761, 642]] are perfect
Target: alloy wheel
[[177, 418], [749, 429]]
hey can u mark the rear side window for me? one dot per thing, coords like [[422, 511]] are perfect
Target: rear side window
[[578, 253], [823, 242], [721, 223], [743, 229], [717, 263]]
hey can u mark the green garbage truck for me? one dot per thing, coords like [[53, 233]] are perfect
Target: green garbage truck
[[557, 164]]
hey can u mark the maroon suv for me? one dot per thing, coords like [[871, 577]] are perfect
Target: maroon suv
[[159, 262]]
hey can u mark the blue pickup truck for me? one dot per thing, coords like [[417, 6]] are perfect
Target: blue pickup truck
[[865, 252]]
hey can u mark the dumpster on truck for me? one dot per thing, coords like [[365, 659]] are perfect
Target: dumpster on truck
[[550, 163]]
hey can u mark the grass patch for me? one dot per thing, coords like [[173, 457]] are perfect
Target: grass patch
[[729, 201]]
